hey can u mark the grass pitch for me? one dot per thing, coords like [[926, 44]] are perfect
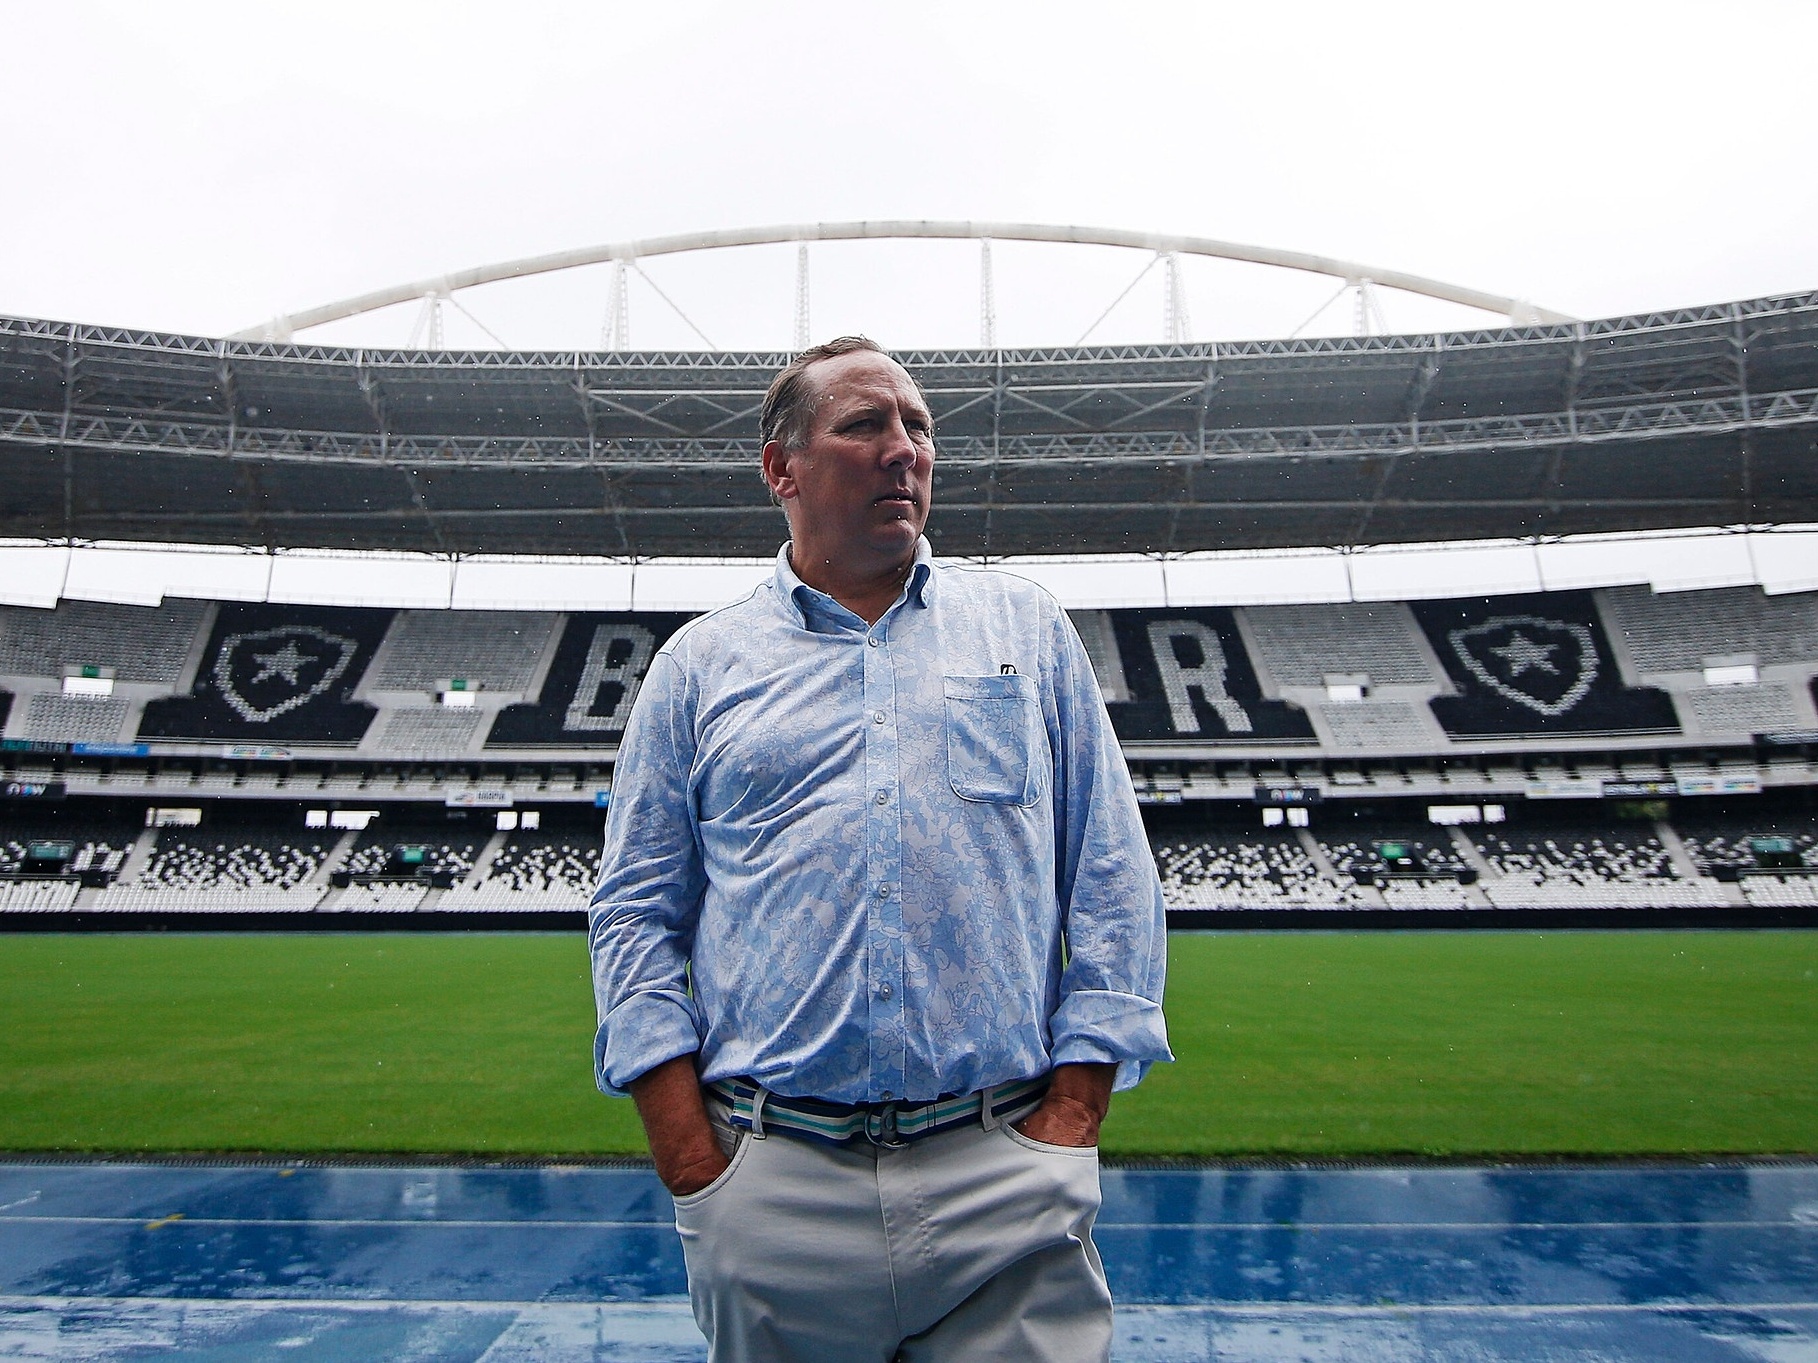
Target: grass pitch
[[1315, 1044]]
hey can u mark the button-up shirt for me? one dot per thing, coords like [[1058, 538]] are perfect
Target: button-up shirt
[[879, 862]]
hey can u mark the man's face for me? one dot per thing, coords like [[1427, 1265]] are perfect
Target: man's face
[[857, 491]]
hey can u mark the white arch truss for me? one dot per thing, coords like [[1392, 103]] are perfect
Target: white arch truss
[[283, 328]]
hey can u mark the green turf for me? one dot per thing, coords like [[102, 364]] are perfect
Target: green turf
[[1301, 1043], [1607, 1043]]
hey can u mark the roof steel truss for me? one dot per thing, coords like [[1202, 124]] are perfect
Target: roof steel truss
[[1340, 440], [1582, 425]]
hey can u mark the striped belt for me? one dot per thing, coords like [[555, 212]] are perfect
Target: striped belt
[[759, 1111]]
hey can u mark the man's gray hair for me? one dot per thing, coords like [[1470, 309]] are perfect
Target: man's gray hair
[[789, 405]]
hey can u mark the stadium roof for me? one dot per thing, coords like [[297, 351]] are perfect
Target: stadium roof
[[1696, 417], [629, 252]]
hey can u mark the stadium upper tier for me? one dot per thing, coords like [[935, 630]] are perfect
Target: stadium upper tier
[[1703, 416], [1622, 669]]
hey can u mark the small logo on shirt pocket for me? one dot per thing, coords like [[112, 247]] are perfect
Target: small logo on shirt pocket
[[994, 739]]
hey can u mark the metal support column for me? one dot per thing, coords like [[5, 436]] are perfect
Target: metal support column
[[987, 297], [801, 298]]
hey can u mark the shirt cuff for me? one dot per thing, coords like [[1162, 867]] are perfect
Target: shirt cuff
[[1101, 1027], [640, 1034]]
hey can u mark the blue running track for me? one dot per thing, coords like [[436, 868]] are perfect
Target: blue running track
[[1708, 1264]]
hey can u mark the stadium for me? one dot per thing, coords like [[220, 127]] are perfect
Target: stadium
[[1613, 750], [314, 660]]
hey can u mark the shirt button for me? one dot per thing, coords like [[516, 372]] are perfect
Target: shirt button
[[884, 992], [883, 797], [878, 718], [874, 641], [883, 892], [888, 1095]]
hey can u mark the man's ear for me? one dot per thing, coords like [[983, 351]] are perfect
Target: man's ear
[[777, 472]]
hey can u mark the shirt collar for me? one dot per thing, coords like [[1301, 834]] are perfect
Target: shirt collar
[[798, 596]]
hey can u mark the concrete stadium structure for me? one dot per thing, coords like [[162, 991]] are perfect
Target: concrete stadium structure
[[1697, 417]]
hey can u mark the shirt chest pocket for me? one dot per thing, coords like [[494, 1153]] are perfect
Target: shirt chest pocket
[[996, 747]]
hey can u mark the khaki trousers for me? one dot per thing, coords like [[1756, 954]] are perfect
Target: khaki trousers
[[971, 1245]]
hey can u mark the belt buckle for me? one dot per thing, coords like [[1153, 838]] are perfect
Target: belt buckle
[[880, 1127]]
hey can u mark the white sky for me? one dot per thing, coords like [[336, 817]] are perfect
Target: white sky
[[200, 167]]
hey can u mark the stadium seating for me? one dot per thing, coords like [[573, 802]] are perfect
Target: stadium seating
[[1722, 839], [1354, 855], [148, 646], [275, 673], [428, 731], [537, 691], [1555, 865], [493, 650], [95, 846], [1302, 645], [137, 898], [1781, 892], [1587, 867], [443, 857], [37, 896], [1742, 710], [1677, 631], [54, 717], [1425, 894], [1213, 704], [227, 870], [1393, 726], [1246, 871], [380, 898], [1535, 664], [552, 870], [273, 862]]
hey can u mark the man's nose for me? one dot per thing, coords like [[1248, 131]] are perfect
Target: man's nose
[[899, 445]]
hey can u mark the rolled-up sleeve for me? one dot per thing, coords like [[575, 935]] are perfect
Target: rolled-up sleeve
[[645, 905], [1110, 1007]]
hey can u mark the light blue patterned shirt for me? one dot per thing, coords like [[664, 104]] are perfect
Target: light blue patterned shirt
[[873, 863]]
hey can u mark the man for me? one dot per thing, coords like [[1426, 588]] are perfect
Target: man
[[877, 930]]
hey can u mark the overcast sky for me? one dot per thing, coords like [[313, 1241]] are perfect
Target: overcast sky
[[198, 168]]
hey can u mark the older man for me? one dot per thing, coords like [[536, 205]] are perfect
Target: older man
[[877, 930]]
